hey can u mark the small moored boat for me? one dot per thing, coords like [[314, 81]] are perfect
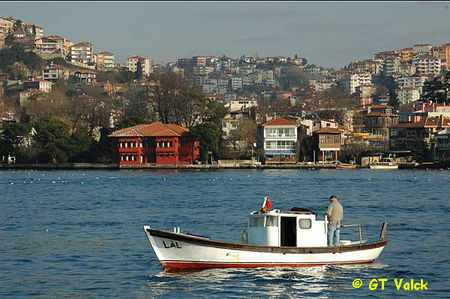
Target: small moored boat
[[274, 238], [340, 165], [384, 163]]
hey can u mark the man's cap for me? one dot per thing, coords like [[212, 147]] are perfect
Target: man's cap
[[332, 196]]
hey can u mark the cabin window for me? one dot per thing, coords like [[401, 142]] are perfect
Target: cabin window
[[256, 221], [304, 223], [271, 221]]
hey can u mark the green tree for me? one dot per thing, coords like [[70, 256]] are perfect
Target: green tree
[[130, 122], [139, 70], [101, 150], [216, 112], [17, 25], [13, 137], [79, 145], [17, 55], [393, 100], [52, 136], [18, 70], [125, 76], [437, 90], [292, 77], [9, 39], [210, 135]]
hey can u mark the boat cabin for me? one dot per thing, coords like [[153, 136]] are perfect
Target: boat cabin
[[296, 228], [387, 160]]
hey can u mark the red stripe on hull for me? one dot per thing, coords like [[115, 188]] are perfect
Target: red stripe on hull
[[186, 266]]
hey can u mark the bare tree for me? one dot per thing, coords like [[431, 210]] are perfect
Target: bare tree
[[165, 94], [243, 137]]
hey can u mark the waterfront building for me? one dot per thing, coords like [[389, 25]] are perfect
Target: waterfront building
[[154, 144], [327, 144], [442, 149], [279, 141], [416, 136], [378, 120]]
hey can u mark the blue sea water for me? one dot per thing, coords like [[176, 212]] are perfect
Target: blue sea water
[[79, 233]]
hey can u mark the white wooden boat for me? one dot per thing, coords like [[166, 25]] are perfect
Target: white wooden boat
[[384, 163], [340, 165], [275, 239]]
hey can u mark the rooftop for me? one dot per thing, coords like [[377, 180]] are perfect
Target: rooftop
[[328, 130], [279, 122], [151, 130]]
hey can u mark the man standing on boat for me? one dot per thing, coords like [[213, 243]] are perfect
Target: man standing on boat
[[335, 213]]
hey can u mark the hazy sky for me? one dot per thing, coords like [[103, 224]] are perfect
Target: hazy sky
[[329, 34]]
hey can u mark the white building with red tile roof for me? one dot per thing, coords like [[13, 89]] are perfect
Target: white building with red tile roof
[[280, 141]]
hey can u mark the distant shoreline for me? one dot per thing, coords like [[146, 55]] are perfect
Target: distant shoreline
[[114, 166]]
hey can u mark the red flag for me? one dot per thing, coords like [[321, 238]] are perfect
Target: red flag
[[267, 203]]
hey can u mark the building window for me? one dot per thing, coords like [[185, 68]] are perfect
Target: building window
[[271, 144], [285, 144]]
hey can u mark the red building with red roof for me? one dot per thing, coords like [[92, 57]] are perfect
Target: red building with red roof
[[154, 144]]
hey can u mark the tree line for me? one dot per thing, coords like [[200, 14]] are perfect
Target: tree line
[[67, 125]]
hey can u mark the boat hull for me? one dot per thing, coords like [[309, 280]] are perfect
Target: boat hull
[[345, 166], [179, 252], [383, 166]]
